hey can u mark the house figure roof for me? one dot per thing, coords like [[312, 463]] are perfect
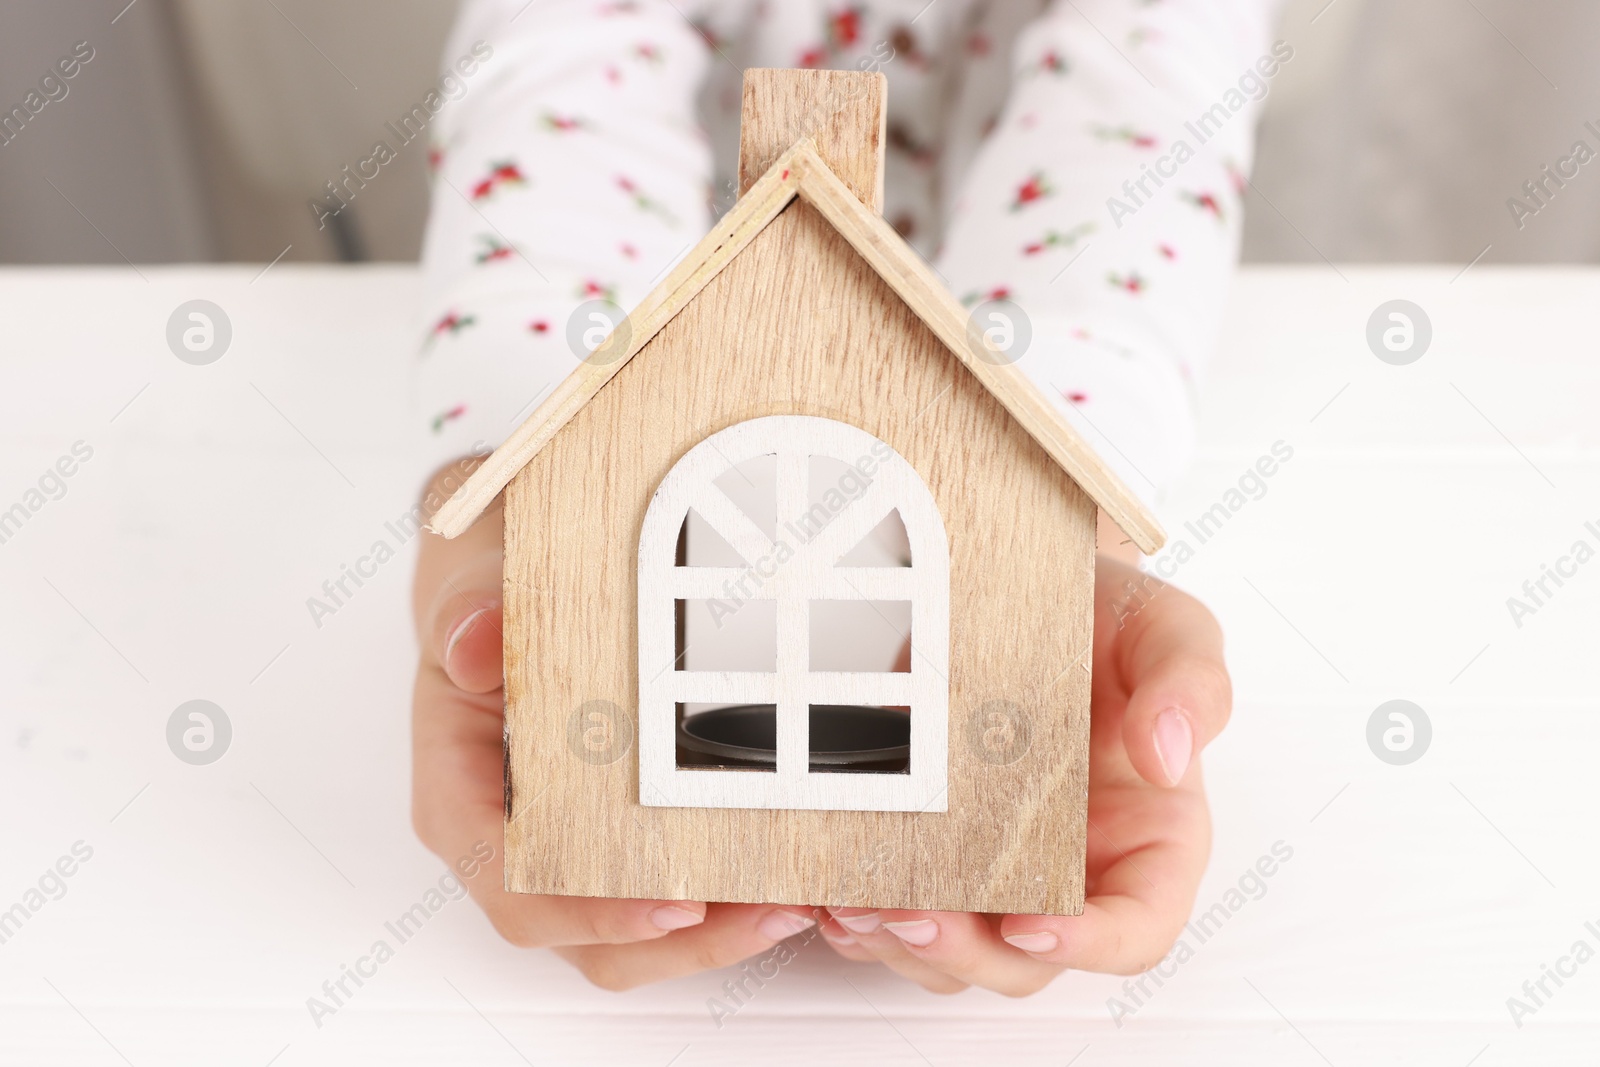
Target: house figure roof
[[802, 172]]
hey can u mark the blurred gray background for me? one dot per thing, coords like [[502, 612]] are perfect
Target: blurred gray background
[[201, 129]]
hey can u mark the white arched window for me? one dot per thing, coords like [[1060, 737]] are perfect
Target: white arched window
[[782, 572]]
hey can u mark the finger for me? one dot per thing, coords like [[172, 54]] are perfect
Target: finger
[[461, 622], [458, 830], [1169, 660], [968, 948], [456, 739], [867, 928], [457, 600], [467, 635], [843, 941], [730, 933], [1139, 907], [538, 921]]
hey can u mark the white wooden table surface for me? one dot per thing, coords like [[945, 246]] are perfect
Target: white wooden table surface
[[219, 898]]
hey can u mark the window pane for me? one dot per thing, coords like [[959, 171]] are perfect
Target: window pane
[[832, 486], [700, 545], [753, 488], [727, 736], [852, 739], [860, 635], [886, 546], [725, 635]]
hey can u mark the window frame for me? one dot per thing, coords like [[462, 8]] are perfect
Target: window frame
[[806, 572]]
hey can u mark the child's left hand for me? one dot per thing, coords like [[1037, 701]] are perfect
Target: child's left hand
[[1160, 693]]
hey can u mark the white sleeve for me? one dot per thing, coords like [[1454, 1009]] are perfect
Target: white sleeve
[[1105, 205], [570, 169]]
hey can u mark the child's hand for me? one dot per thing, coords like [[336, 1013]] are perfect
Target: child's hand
[[457, 799], [1149, 828]]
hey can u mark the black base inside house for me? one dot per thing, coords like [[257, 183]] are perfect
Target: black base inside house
[[844, 738]]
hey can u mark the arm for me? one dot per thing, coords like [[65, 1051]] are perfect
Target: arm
[[1122, 271], [571, 170]]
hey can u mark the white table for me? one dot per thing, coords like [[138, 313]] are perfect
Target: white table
[[219, 898]]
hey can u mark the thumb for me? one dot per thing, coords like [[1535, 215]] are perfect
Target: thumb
[[1179, 693], [459, 597], [467, 636]]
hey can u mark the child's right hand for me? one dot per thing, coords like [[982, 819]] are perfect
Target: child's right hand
[[457, 799]]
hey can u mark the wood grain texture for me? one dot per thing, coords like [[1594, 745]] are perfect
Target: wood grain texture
[[801, 324], [843, 113]]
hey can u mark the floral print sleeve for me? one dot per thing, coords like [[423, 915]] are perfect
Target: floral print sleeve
[[572, 170], [1082, 159], [1105, 204]]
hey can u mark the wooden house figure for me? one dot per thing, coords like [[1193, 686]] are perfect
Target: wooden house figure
[[801, 331]]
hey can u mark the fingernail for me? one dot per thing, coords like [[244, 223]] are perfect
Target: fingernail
[[1174, 743], [1044, 941], [859, 924], [668, 917], [916, 932], [781, 924], [838, 937], [459, 632]]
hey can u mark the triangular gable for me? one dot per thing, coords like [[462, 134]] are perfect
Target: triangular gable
[[801, 172]]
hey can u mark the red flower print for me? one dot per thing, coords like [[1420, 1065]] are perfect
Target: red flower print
[[1076, 397], [643, 202], [1235, 176], [613, 75], [493, 250], [1168, 251], [443, 417], [593, 290], [451, 323], [647, 52], [1034, 189], [1056, 239], [539, 326], [1133, 283], [499, 174], [841, 29], [844, 27], [435, 157], [1205, 202], [978, 44], [999, 292], [1125, 134], [561, 123], [629, 251], [1052, 63]]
